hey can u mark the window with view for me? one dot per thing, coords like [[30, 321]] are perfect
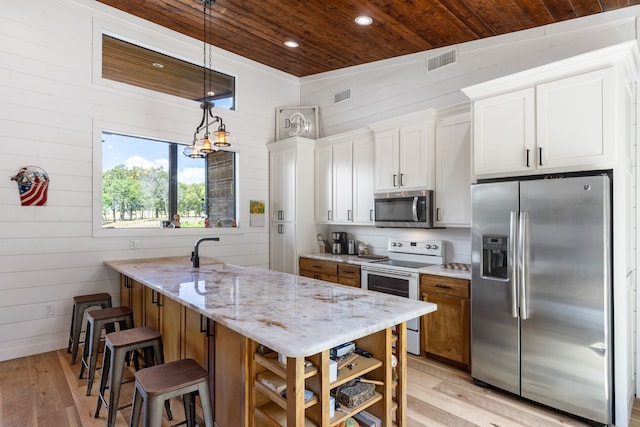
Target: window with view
[[146, 183]]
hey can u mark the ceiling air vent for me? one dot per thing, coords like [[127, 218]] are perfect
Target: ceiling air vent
[[342, 96], [441, 60]]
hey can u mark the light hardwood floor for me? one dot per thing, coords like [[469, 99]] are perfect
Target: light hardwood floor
[[44, 390]]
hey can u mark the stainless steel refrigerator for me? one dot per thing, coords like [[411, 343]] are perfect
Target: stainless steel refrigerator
[[541, 310]]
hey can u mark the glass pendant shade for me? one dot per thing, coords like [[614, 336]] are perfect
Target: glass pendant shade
[[206, 145], [193, 151], [222, 137]]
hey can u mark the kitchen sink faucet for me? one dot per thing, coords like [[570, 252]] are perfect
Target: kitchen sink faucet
[[194, 254]]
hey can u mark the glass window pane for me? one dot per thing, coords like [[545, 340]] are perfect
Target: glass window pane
[[141, 188]]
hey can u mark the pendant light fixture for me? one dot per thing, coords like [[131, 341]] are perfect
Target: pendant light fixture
[[214, 140]]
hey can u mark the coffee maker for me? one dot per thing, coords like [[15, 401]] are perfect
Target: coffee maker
[[339, 242]]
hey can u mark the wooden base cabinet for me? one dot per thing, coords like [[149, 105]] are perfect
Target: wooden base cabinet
[[335, 272], [132, 296], [166, 316], [318, 269], [446, 332], [312, 373]]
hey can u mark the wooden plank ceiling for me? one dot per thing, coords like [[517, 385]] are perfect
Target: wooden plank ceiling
[[328, 37]]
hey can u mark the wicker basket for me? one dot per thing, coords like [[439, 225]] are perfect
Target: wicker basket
[[354, 393]]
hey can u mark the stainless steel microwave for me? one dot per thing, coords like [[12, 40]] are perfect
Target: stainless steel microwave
[[406, 209]]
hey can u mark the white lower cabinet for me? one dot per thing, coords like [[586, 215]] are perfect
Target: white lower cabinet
[[282, 247]]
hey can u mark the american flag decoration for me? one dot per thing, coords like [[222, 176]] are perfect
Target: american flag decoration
[[33, 184]]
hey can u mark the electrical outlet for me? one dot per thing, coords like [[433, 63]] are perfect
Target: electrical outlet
[[49, 310], [134, 244]]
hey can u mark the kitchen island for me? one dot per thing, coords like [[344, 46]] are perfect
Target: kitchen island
[[259, 314]]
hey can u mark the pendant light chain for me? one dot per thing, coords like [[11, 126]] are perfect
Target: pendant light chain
[[203, 146]]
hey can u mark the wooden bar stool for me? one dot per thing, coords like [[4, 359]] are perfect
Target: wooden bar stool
[[117, 346], [106, 318], [159, 383], [80, 304]]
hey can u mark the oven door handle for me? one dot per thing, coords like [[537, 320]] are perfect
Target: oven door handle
[[414, 209], [388, 272]]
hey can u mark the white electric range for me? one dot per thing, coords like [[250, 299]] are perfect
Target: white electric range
[[399, 275]]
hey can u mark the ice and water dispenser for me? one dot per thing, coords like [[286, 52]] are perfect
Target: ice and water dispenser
[[494, 257]]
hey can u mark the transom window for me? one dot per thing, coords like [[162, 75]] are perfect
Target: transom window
[[138, 66]]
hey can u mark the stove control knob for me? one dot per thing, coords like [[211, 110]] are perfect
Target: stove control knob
[[435, 246], [394, 244], [398, 244], [428, 247]]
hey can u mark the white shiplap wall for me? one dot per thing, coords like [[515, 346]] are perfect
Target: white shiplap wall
[[52, 109], [404, 85]]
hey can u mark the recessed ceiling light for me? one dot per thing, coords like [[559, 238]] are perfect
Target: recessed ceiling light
[[363, 20], [157, 65], [291, 43]]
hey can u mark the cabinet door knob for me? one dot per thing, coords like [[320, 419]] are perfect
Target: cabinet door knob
[[527, 156], [394, 180], [349, 215], [370, 214], [438, 214], [401, 179], [329, 216]]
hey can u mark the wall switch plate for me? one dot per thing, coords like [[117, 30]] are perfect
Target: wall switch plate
[[134, 244]]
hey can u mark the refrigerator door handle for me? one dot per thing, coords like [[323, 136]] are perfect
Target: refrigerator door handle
[[522, 258], [512, 262]]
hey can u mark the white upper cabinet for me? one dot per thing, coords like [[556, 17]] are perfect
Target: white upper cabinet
[[344, 179], [404, 154], [576, 120], [559, 117], [363, 160], [504, 133], [559, 124], [282, 167], [453, 171], [323, 192]]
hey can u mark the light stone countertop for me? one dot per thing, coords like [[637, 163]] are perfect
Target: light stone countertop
[[436, 270], [344, 258], [293, 315]]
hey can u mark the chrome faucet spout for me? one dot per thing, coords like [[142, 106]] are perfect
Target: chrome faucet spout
[[194, 255]]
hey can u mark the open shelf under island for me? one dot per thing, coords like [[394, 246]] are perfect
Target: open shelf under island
[[235, 321]]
